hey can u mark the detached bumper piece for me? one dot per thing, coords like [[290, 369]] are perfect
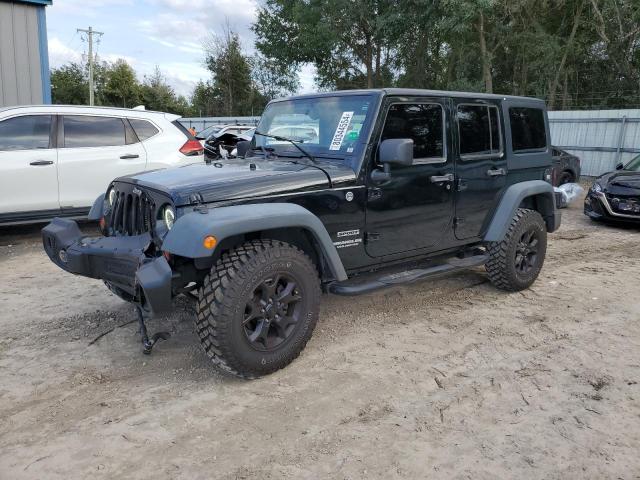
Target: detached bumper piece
[[121, 261]]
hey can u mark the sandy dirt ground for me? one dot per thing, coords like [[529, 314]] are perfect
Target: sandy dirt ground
[[444, 379]]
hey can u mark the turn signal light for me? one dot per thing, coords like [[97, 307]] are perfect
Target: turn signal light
[[209, 242]]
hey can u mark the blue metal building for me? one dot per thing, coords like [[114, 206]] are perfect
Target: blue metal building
[[24, 54]]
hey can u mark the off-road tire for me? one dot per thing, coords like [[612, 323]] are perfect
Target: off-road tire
[[501, 266], [222, 303]]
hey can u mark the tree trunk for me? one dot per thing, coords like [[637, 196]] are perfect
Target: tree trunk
[[560, 69], [376, 81], [486, 60], [368, 63]]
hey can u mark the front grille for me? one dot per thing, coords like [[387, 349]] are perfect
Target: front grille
[[132, 212], [624, 204]]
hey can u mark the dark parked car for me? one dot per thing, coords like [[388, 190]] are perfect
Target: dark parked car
[[393, 186], [615, 196], [565, 167]]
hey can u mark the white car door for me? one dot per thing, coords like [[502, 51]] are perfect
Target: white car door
[[94, 151], [28, 177]]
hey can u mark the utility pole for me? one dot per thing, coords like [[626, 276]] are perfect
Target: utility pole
[[90, 33]]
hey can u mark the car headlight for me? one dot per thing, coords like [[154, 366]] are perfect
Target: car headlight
[[111, 196], [169, 217], [596, 187]]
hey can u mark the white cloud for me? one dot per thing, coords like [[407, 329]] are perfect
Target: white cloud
[[59, 53]]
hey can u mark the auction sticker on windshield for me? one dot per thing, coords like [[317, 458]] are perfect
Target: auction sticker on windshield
[[341, 130]]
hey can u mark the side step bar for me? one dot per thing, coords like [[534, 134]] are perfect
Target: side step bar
[[359, 286]]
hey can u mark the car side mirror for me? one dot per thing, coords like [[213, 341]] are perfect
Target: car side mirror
[[242, 147], [620, 166], [393, 151]]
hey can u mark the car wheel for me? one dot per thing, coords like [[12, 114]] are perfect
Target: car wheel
[[515, 262], [565, 177], [258, 307]]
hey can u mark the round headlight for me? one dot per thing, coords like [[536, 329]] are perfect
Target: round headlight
[[596, 187], [111, 197], [169, 217]]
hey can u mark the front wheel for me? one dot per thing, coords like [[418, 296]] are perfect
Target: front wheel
[[515, 262], [258, 307]]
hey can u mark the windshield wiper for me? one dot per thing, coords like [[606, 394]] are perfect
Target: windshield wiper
[[292, 142]]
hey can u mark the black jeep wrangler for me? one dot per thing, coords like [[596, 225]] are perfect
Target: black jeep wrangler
[[371, 189]]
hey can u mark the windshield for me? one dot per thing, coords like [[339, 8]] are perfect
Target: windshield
[[634, 164], [324, 126]]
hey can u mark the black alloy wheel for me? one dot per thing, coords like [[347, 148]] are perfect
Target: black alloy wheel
[[527, 251], [273, 311]]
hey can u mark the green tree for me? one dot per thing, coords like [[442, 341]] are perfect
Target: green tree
[[69, 85], [202, 100], [121, 88], [232, 86], [348, 41]]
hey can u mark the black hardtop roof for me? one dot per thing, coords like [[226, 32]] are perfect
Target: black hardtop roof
[[415, 92]]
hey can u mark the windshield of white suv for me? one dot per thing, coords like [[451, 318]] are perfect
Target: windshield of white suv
[[329, 126]]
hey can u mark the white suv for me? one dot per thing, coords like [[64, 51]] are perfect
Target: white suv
[[55, 160]]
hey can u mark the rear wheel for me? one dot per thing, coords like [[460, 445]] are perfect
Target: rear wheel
[[565, 177], [258, 307], [516, 261]]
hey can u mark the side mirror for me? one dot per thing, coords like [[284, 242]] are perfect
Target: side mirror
[[396, 151], [620, 166], [242, 148]]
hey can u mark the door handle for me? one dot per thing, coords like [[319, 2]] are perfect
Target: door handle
[[441, 178], [129, 156], [39, 163], [496, 172]]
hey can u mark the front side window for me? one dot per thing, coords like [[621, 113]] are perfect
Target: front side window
[[423, 123], [143, 128], [528, 130], [330, 126], [29, 132], [86, 131], [479, 130]]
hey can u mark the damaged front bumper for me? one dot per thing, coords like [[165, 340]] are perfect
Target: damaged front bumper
[[122, 261]]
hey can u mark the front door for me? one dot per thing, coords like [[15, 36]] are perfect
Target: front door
[[95, 151], [28, 165], [481, 165], [414, 209]]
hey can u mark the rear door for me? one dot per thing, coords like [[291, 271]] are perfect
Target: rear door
[[93, 150], [413, 210], [28, 162], [481, 164]]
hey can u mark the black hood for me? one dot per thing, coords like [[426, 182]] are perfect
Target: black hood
[[238, 179], [621, 179]]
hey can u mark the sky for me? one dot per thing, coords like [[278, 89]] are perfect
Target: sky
[[146, 33]]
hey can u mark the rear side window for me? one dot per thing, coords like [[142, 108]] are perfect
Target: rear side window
[[423, 123], [86, 131], [29, 132], [479, 129], [143, 128], [528, 131]]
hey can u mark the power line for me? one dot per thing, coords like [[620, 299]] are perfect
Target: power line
[[90, 33]]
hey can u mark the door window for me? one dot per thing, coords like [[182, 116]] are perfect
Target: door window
[[421, 122], [479, 130], [86, 131], [528, 130], [143, 128], [28, 132]]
